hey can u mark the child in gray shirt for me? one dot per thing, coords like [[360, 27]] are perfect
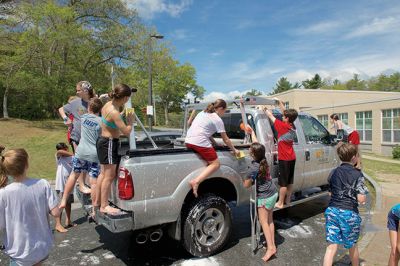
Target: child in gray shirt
[[24, 208]]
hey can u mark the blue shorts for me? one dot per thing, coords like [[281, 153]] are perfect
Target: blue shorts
[[393, 222], [82, 165], [342, 227]]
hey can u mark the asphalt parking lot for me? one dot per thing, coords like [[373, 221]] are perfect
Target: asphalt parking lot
[[300, 240]]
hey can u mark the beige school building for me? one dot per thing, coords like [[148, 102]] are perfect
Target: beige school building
[[375, 114]]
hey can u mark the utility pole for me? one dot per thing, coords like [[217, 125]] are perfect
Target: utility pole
[[112, 77], [150, 102]]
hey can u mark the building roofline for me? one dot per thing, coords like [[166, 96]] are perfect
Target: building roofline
[[350, 104], [333, 91]]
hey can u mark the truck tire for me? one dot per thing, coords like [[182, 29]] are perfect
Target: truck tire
[[207, 224]]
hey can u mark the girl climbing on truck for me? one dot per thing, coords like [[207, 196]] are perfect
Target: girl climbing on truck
[[199, 138]]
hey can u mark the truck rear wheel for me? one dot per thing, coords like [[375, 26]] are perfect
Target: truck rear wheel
[[207, 224]]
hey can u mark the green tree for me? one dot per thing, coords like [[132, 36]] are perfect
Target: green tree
[[385, 83], [314, 83], [198, 91], [283, 85], [173, 82], [253, 92], [356, 83], [48, 45]]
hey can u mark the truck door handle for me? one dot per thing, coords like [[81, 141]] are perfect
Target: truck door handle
[[307, 154]]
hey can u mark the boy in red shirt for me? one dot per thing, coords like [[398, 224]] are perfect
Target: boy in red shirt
[[286, 155]]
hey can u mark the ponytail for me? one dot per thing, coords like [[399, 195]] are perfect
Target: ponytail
[[263, 171], [257, 151], [217, 104], [3, 175], [210, 108], [120, 91]]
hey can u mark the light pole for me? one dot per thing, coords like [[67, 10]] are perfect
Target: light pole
[[150, 103]]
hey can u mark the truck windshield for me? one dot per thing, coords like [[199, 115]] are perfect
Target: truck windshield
[[313, 130]]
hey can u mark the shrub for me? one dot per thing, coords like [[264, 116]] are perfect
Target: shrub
[[396, 152]]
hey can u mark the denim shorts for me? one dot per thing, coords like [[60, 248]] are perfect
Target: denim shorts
[[342, 227], [79, 166]]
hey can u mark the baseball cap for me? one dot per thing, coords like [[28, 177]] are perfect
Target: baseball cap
[[86, 86]]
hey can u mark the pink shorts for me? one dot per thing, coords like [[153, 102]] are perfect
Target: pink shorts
[[354, 138], [207, 153]]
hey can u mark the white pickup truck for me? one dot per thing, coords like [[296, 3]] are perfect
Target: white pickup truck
[[153, 188]]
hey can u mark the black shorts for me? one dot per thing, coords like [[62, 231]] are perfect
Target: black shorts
[[286, 173], [107, 150]]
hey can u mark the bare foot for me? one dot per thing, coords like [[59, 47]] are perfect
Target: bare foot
[[269, 254], [279, 206], [85, 189], [61, 229], [110, 210], [63, 203], [194, 186]]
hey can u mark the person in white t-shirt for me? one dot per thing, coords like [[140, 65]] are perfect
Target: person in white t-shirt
[[199, 138], [352, 135], [25, 206]]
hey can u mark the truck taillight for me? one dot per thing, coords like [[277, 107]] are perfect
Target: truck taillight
[[126, 190]]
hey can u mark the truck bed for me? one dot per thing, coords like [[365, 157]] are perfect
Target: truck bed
[[145, 148]]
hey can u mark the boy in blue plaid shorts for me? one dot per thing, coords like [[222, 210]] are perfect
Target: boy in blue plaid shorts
[[347, 188], [85, 159]]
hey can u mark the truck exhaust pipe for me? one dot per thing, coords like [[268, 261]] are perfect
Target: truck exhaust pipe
[[142, 238], [156, 235]]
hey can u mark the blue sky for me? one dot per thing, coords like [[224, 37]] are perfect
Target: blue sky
[[240, 45]]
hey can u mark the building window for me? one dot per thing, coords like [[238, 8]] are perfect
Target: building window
[[391, 125], [344, 117], [286, 104], [324, 120], [364, 125]]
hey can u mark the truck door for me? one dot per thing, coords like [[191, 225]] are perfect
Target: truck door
[[319, 153]]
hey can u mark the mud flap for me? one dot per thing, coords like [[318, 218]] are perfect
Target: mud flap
[[255, 225]]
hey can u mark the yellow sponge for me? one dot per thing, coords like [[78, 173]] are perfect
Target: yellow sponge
[[129, 111], [241, 155]]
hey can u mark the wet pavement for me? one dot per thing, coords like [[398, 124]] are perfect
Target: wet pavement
[[300, 240]]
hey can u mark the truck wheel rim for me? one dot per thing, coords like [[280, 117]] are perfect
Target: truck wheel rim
[[209, 227]]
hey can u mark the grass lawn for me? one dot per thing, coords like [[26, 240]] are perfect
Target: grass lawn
[[375, 168], [39, 138], [379, 155]]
